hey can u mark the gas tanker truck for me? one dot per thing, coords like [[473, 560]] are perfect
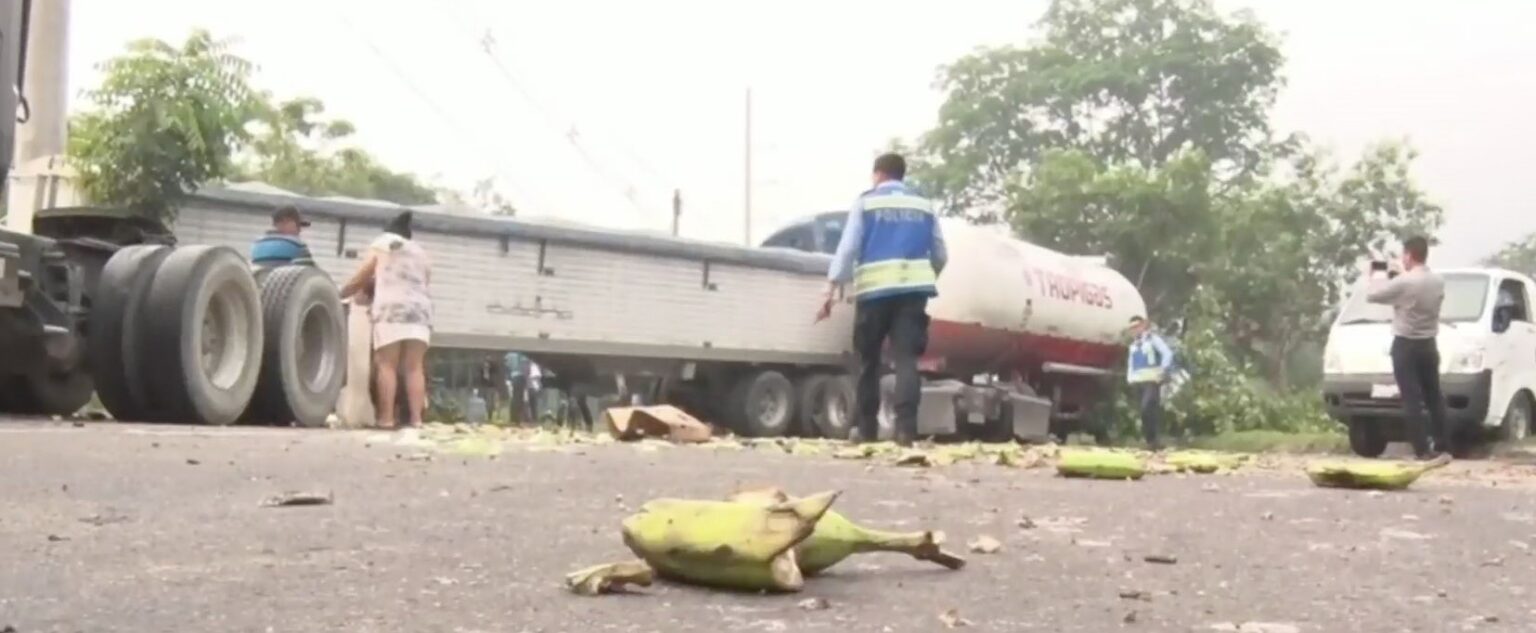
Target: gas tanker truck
[[1023, 339]]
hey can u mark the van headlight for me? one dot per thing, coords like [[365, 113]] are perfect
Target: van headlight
[[1332, 363], [1468, 362]]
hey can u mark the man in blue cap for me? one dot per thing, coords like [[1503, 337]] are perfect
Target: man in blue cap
[[282, 245]]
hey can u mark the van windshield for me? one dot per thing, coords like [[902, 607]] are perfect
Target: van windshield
[[1465, 296]]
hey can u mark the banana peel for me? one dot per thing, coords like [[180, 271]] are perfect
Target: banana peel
[[836, 538], [726, 544], [1204, 462], [1373, 475], [610, 578], [1100, 464]]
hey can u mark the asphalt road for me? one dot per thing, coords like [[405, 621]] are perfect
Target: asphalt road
[[141, 528]]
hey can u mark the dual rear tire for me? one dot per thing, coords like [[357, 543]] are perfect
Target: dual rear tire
[[188, 335], [767, 403]]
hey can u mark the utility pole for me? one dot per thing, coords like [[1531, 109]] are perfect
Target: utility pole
[[47, 82], [677, 209], [746, 222]]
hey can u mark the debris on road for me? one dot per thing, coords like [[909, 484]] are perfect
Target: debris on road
[[1136, 594], [814, 604], [952, 620], [291, 499], [1100, 464], [1161, 559], [662, 421], [1373, 475], [1256, 627], [985, 545], [610, 578]]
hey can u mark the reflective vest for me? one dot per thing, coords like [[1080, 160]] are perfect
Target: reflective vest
[[1146, 361], [894, 257]]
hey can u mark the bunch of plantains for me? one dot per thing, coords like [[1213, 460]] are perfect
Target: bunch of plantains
[[1372, 475], [757, 540], [1094, 463]]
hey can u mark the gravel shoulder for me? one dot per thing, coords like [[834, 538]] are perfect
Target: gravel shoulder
[[112, 527]]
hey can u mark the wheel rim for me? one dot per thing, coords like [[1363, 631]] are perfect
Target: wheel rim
[[224, 338], [772, 408], [317, 357], [837, 409]]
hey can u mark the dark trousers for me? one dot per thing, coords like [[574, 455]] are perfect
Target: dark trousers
[[519, 401], [903, 320], [1150, 404], [1416, 365]]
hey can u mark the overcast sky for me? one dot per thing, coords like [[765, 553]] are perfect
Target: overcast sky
[[656, 89]]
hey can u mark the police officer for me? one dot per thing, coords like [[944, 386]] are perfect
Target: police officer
[[893, 251], [282, 245]]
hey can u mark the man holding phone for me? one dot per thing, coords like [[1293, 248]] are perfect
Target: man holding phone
[[1415, 296]]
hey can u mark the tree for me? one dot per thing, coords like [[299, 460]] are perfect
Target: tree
[[297, 150], [1140, 129], [1519, 256], [1125, 82], [1286, 248], [164, 121]]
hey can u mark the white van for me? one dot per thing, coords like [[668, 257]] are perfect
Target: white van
[[1487, 347]]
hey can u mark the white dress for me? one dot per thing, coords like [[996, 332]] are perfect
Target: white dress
[[402, 305]]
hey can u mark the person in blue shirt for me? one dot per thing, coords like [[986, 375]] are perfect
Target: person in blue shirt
[[1148, 364], [892, 251], [282, 245]]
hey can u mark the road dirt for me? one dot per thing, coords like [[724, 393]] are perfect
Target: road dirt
[[115, 527]]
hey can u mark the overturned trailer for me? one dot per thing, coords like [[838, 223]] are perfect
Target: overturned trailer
[[1021, 335]]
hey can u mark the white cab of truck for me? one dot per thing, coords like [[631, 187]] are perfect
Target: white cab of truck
[[1487, 346]]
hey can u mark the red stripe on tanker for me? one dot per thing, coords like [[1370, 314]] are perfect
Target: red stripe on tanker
[[1007, 304]]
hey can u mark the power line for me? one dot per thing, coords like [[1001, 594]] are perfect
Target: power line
[[425, 97], [488, 45]]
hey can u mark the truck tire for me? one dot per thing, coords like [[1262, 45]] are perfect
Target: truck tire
[[1366, 438], [304, 360], [809, 394], [835, 407], [52, 392], [763, 404], [203, 320], [1517, 419], [115, 332]]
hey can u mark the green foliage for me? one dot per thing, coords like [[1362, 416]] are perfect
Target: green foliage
[[1140, 129], [164, 121], [1519, 256], [296, 150], [1123, 81]]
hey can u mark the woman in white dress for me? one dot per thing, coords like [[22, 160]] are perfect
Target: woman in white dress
[[395, 279]]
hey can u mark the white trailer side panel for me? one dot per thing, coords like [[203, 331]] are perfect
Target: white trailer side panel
[[511, 291]]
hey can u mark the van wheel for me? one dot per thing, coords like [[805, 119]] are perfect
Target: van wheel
[[1366, 438], [203, 320], [1517, 420], [763, 404], [304, 360]]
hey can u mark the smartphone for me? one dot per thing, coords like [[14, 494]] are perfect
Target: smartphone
[[1378, 265]]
